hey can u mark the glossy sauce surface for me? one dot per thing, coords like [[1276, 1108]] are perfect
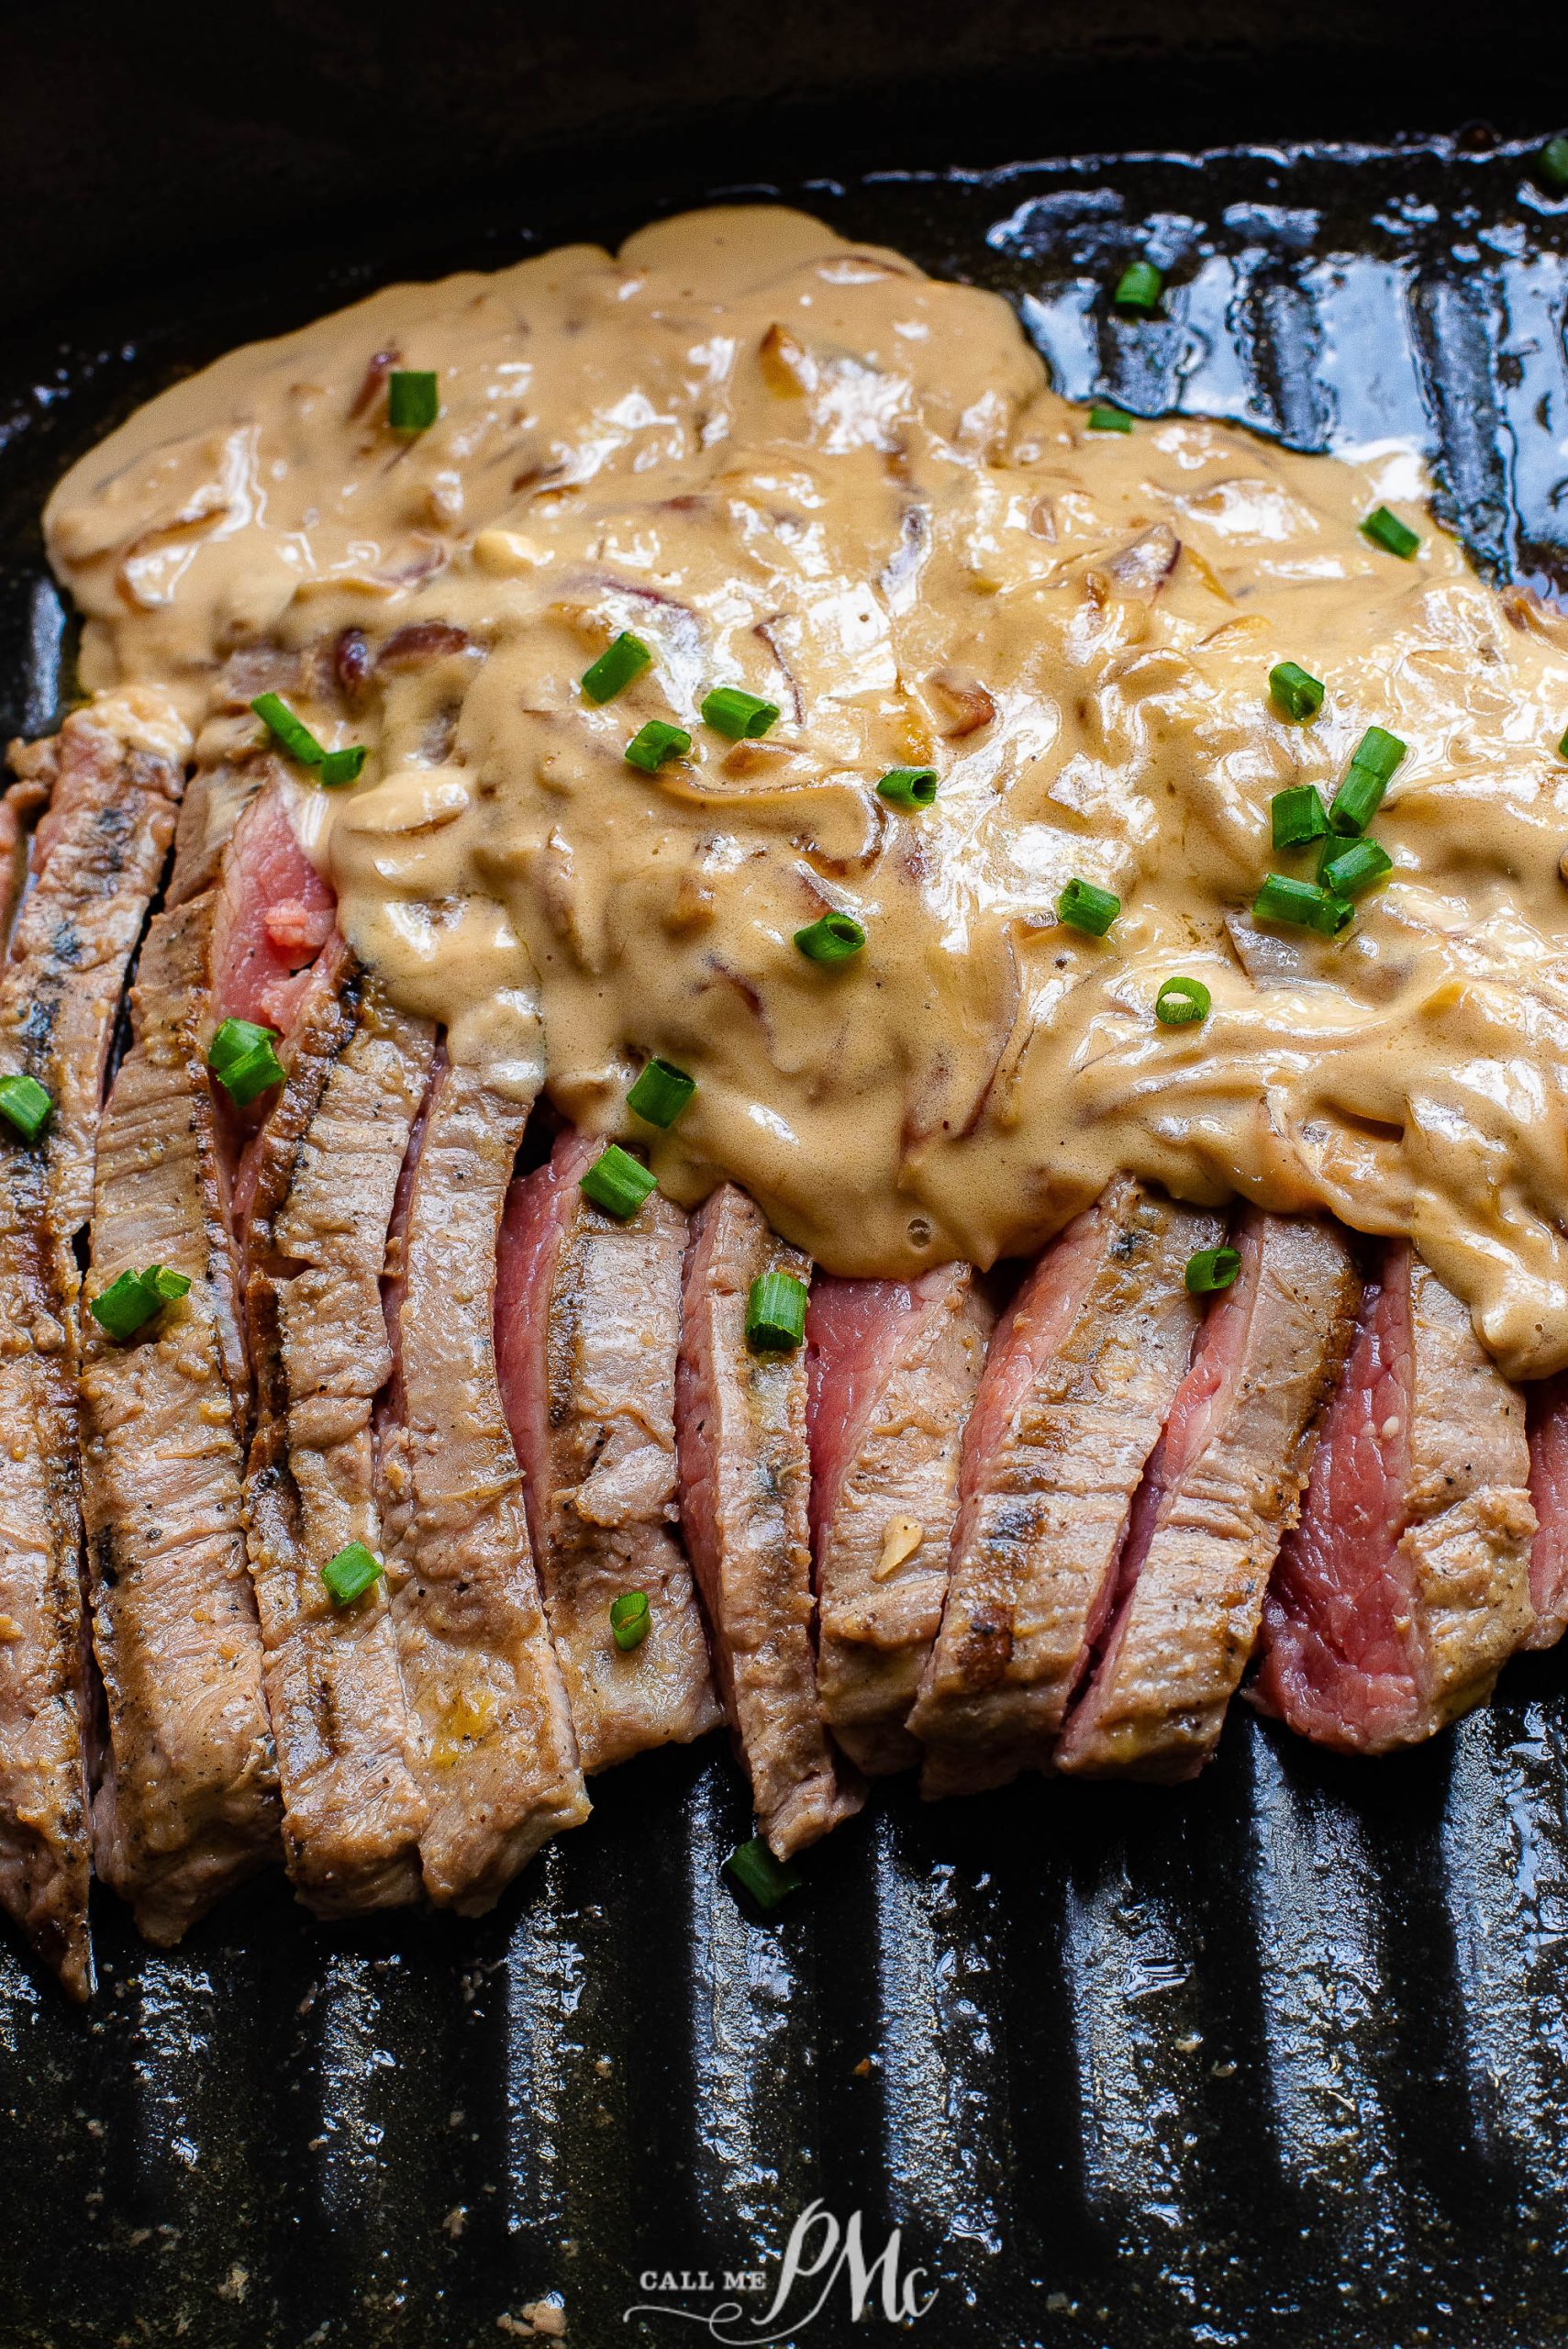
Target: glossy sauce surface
[[802, 467]]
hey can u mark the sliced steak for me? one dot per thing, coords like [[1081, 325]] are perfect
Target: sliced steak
[[587, 1328], [1407, 1582], [95, 861], [187, 1803], [1546, 1410], [325, 1183], [893, 1373], [1081, 1374], [495, 1756], [745, 1476], [1222, 1488]]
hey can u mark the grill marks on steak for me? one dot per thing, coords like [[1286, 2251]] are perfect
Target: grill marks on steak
[[188, 1805], [1222, 1488], [1407, 1583], [587, 1329], [740, 1419], [95, 862], [893, 1373], [494, 1750], [1081, 1374], [327, 1178]]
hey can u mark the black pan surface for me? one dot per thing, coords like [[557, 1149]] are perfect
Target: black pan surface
[[1280, 2057]]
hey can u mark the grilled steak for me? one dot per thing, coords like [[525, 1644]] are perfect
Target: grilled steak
[[894, 1373], [187, 1804], [330, 1162], [740, 1423], [494, 1751], [1546, 1409], [587, 1326], [95, 860], [1081, 1374], [1407, 1582], [1223, 1485]]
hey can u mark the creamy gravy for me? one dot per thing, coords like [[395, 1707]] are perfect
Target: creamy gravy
[[802, 467]]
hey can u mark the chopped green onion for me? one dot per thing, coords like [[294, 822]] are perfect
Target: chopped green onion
[[1563, 746], [1181, 1003], [630, 1620], [339, 767], [1109, 419], [1210, 1269], [756, 1871], [335, 766], [1353, 868], [132, 1300], [615, 667], [1298, 815], [730, 709], [1387, 531], [1360, 796], [1296, 693], [661, 1093], [1139, 288], [242, 1058], [617, 1182], [24, 1105], [654, 743], [834, 938], [1303, 904], [1552, 164], [1083, 906], [351, 1573], [775, 1314], [412, 402], [908, 786]]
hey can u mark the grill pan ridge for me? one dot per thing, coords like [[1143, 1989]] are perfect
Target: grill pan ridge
[[1284, 2055]]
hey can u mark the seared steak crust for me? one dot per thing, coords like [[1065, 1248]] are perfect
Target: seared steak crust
[[494, 1752], [1080, 1377], [95, 860]]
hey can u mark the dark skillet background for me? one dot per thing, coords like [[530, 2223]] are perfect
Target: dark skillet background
[[1283, 2057]]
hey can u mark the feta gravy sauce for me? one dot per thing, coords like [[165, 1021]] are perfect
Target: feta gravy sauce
[[800, 466]]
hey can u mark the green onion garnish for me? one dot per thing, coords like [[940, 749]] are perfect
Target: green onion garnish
[[242, 1058], [339, 767], [1353, 868], [1139, 288], [412, 402], [775, 1314], [834, 938], [661, 1093], [1552, 164], [1083, 906], [1181, 1003], [1296, 693], [654, 743], [24, 1105], [1303, 904], [334, 766], [617, 1182], [1212, 1268], [756, 1871], [630, 1620], [352, 1571], [1563, 746], [1386, 530], [1109, 419], [730, 709], [1298, 815], [615, 667], [1360, 796], [908, 786], [122, 1308]]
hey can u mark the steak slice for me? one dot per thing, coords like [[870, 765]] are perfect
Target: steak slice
[[588, 1324], [1222, 1488], [325, 1183], [187, 1804], [95, 859], [894, 1373], [745, 1477], [495, 1756], [1081, 1374], [1546, 1413], [1407, 1582]]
